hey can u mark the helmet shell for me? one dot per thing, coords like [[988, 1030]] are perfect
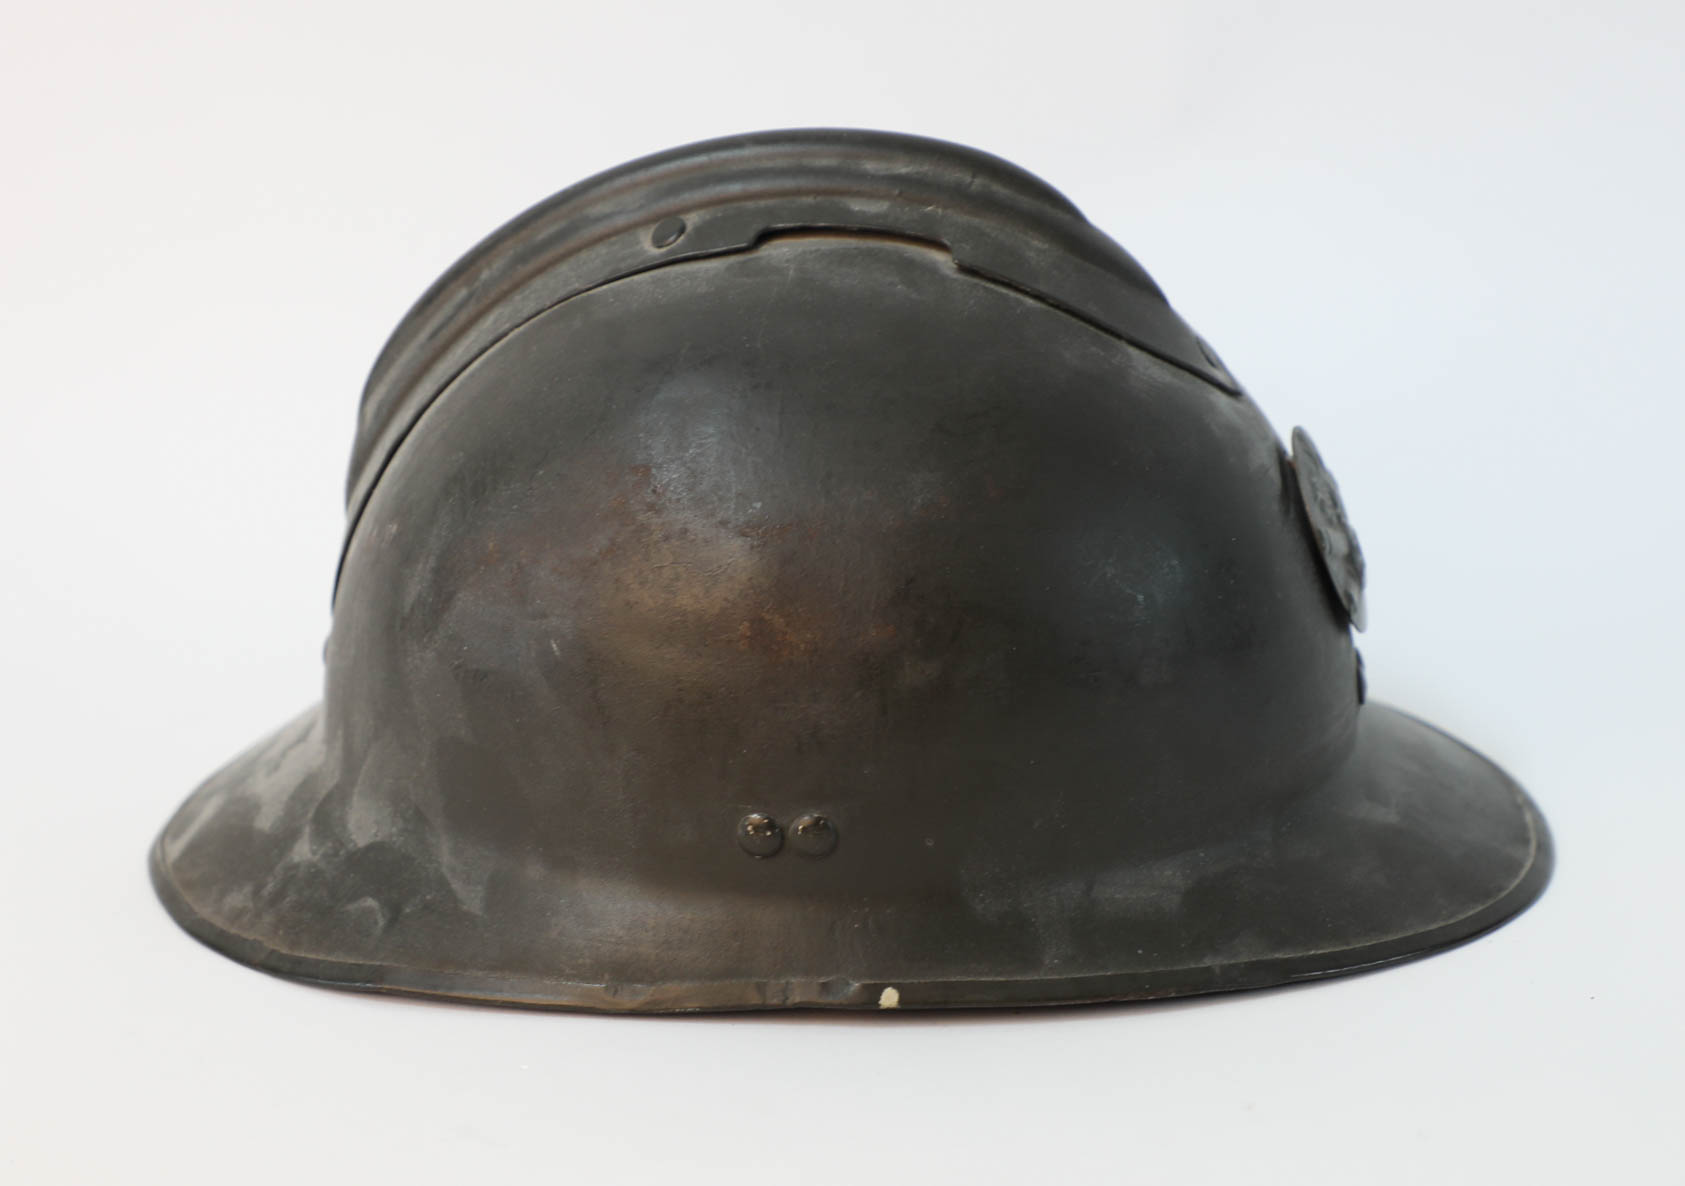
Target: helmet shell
[[828, 615]]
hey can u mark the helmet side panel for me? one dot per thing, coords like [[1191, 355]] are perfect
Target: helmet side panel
[[824, 528]]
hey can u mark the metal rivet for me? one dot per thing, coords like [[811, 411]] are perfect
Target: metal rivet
[[813, 835], [667, 232], [759, 834]]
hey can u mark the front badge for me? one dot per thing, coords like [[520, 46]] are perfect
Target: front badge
[[1336, 542]]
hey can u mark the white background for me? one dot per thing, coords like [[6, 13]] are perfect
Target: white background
[[1445, 237]]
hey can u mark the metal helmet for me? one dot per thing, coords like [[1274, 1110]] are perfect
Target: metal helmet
[[819, 569]]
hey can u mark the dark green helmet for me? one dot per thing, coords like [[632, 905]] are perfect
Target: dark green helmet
[[820, 569]]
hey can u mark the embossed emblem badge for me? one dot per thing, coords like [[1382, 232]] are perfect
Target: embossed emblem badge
[[1336, 542]]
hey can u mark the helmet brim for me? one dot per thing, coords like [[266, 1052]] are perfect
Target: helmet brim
[[1415, 844]]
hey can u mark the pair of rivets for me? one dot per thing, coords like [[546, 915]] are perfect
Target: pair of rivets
[[812, 835]]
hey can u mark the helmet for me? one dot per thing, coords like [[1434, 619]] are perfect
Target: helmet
[[819, 569]]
